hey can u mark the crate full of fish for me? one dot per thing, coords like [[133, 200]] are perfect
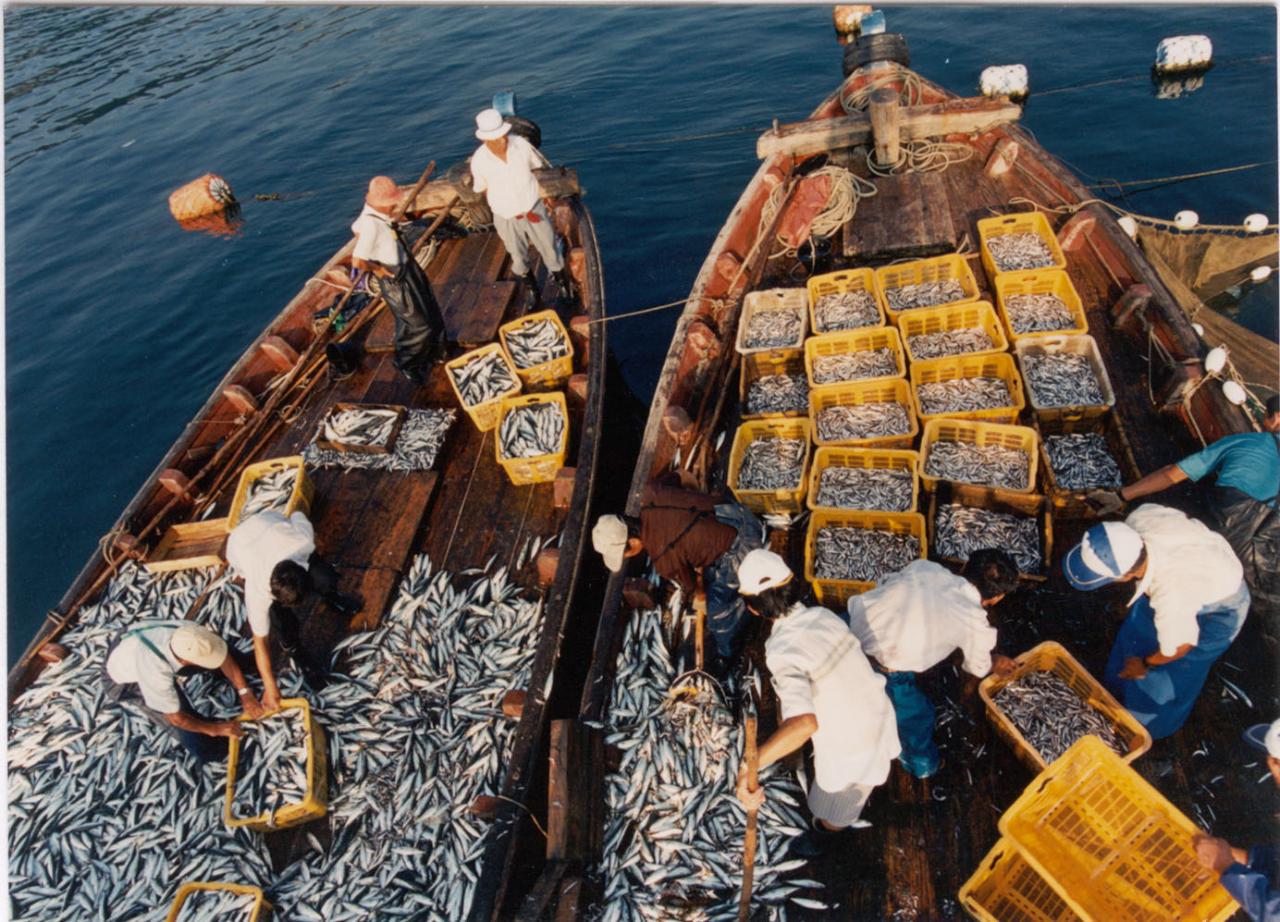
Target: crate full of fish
[[844, 300], [277, 771], [767, 464], [1005, 886], [210, 901], [772, 319], [854, 355], [533, 437], [864, 479], [1050, 701], [847, 553], [1110, 844], [971, 328], [281, 484], [1065, 377], [963, 519], [924, 283], [864, 413], [992, 455], [1039, 303], [773, 384], [983, 387], [539, 347], [1081, 455], [363, 428], [481, 379], [1017, 243]]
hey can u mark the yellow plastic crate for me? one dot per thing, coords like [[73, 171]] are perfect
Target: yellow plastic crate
[[793, 300], [1020, 438], [1027, 222], [484, 415], [550, 374], [316, 801], [1005, 888], [838, 283], [1040, 282], [1073, 504], [847, 341], [993, 365], [261, 908], [887, 459], [543, 468], [1053, 657], [1074, 345], [883, 390], [937, 269], [304, 490], [762, 365], [835, 593], [1110, 844], [769, 501], [1032, 505], [970, 315]]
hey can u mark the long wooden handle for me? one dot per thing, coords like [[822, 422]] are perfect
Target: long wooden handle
[[749, 845], [699, 617]]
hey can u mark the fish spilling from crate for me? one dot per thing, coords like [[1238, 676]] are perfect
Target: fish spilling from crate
[[863, 421], [986, 465], [486, 377], [867, 488], [416, 448], [949, 342], [271, 768], [861, 553], [847, 310], [536, 344], [1016, 252], [854, 366], [963, 395], [924, 294], [532, 431], [1050, 716], [1062, 380], [772, 464], [774, 329], [216, 906], [1038, 313], [270, 491], [1082, 461], [778, 394], [360, 427], [961, 530]]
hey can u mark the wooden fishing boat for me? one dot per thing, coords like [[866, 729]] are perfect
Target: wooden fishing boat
[[926, 837], [464, 513]]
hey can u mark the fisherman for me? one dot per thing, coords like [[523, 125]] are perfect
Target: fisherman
[[697, 543], [914, 619], [151, 655], [827, 692], [381, 250], [1190, 603], [502, 168]]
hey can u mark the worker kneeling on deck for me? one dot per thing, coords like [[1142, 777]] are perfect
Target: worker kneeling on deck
[[827, 692], [1190, 603], [914, 619], [151, 655]]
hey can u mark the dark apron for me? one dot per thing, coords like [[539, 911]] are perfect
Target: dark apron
[[726, 610], [419, 325], [1252, 528]]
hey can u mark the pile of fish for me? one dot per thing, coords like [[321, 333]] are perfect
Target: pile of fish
[[1050, 716], [532, 431], [484, 378], [949, 342], [417, 446], [778, 394], [863, 421], [270, 491], [961, 530], [861, 553], [772, 464], [847, 310], [1038, 313], [986, 465], [1016, 252], [854, 366], [963, 395], [1062, 380], [536, 344], [271, 765], [774, 329], [924, 294], [216, 906], [1082, 461], [878, 489], [364, 427]]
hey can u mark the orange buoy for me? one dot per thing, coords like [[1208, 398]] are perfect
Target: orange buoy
[[204, 196]]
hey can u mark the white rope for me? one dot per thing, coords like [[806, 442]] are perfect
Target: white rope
[[842, 203], [921, 156], [897, 77]]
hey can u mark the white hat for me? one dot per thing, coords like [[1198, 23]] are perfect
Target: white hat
[[609, 537], [761, 570], [198, 645], [1105, 554], [1266, 737], [490, 126]]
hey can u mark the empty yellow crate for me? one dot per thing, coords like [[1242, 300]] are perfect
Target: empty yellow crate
[[1040, 282], [759, 365], [978, 315], [769, 501], [835, 593], [883, 390], [1110, 844], [793, 300], [1069, 503], [1028, 222], [484, 415], [303, 489], [886, 459], [1005, 888], [1030, 505], [316, 801], [547, 374], [993, 365], [543, 468], [848, 341], [937, 269], [1019, 438], [838, 283], [258, 913], [1073, 345]]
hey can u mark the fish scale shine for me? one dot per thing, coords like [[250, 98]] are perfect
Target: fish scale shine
[[846, 310]]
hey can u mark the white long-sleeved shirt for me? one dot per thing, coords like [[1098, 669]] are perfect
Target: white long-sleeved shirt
[[255, 546], [818, 668], [1188, 567], [509, 185], [375, 240], [133, 661], [914, 618]]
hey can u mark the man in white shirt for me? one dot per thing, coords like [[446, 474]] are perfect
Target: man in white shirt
[[914, 619], [1189, 604], [827, 692]]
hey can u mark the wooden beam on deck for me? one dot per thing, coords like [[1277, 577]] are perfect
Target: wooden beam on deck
[[553, 182]]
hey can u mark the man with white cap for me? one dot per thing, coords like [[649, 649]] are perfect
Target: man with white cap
[[1189, 604], [151, 655], [827, 692]]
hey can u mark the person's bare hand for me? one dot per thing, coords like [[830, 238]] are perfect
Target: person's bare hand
[[230, 728], [271, 700], [1213, 853], [253, 708], [1134, 668], [1002, 665], [750, 799]]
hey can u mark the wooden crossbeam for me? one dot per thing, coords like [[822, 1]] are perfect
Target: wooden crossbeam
[[553, 182]]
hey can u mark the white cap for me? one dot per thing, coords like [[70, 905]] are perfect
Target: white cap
[[1265, 736], [609, 538], [490, 126], [201, 646], [1105, 554], [762, 570]]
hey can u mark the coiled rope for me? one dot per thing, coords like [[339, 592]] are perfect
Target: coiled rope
[[906, 82], [842, 203], [921, 156]]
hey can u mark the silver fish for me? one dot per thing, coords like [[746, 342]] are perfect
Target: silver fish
[[847, 310], [1038, 313], [961, 530], [778, 394], [949, 342], [963, 395], [486, 377], [773, 329], [1082, 461], [532, 431], [861, 553], [1051, 716], [924, 294], [854, 366], [1062, 380], [986, 465], [1016, 252], [536, 344], [421, 437], [772, 464], [876, 489], [862, 421], [271, 491]]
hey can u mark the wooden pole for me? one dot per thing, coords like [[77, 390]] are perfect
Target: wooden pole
[[749, 846], [886, 125]]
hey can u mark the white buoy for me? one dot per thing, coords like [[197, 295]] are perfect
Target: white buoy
[[1255, 223], [1216, 360], [1183, 52], [1234, 392], [1260, 273], [1186, 219], [1129, 226], [1004, 80], [1199, 330]]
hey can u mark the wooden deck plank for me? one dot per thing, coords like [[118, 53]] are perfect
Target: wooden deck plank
[[909, 216]]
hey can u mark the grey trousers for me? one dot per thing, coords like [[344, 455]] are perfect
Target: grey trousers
[[518, 234], [839, 808]]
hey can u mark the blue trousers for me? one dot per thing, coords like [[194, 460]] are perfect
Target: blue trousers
[[1162, 700], [915, 716], [726, 612]]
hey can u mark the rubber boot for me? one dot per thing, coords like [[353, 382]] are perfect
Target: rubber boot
[[564, 285], [532, 281]]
